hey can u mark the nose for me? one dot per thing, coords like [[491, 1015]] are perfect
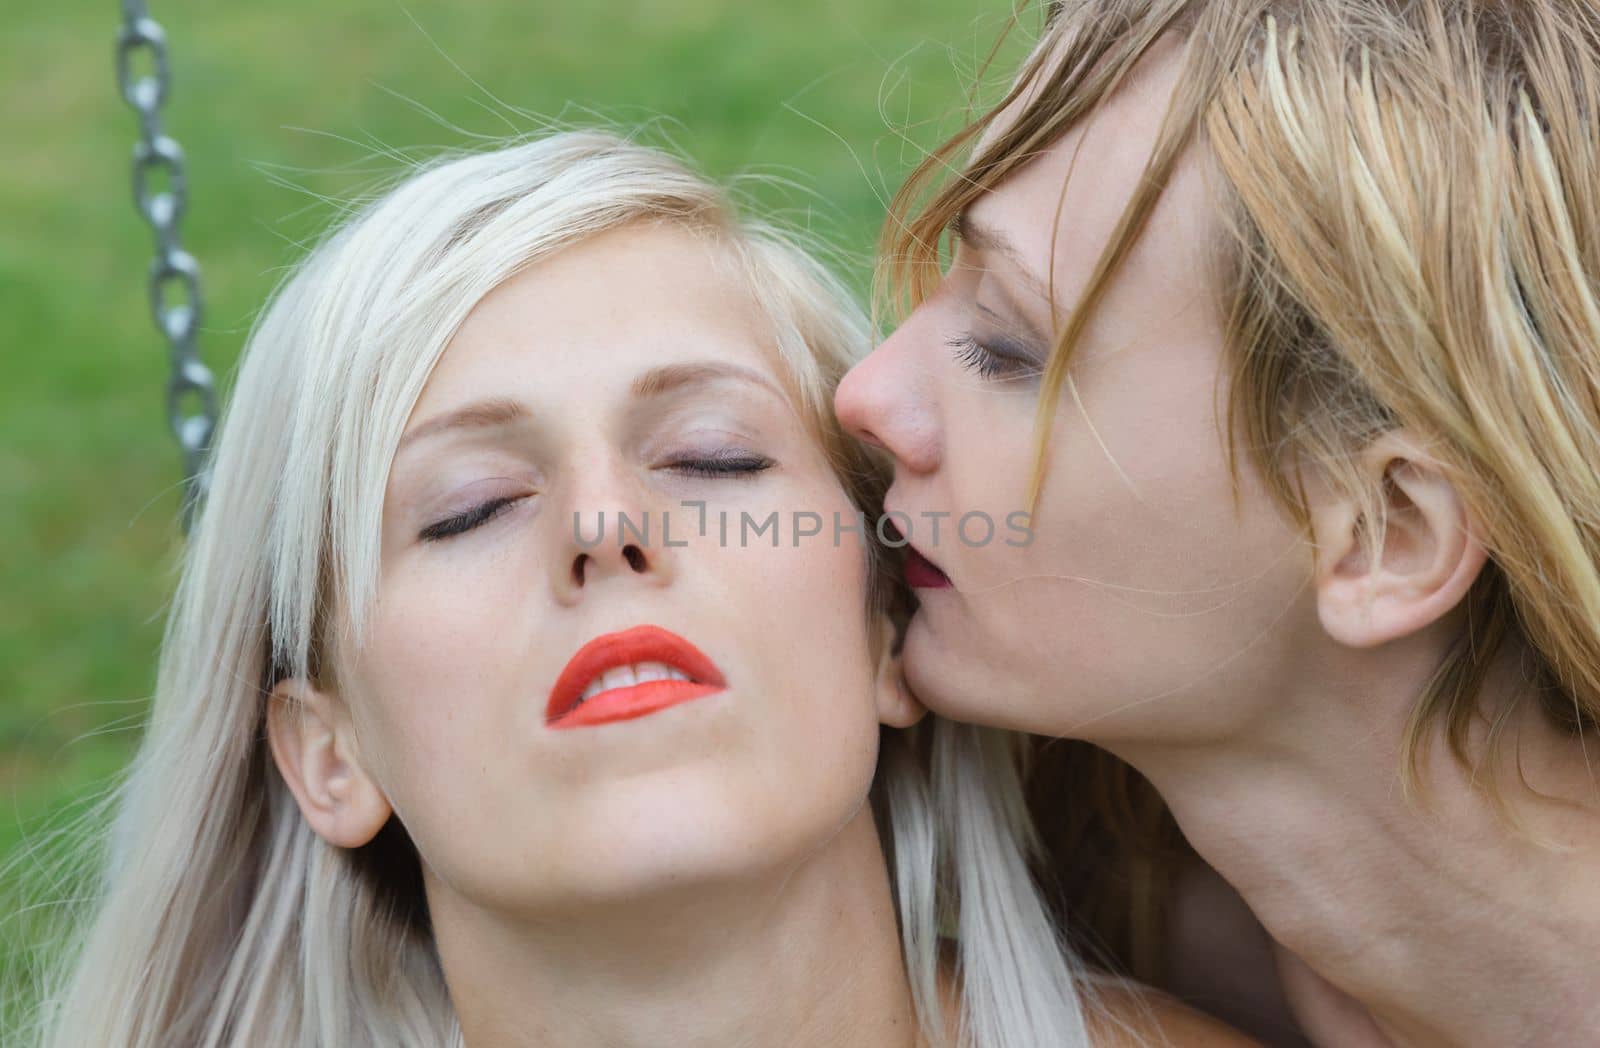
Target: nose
[[889, 400], [610, 532]]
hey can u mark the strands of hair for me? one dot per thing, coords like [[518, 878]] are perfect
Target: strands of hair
[[213, 915], [1408, 199]]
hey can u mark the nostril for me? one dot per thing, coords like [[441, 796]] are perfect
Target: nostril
[[634, 556], [577, 568]]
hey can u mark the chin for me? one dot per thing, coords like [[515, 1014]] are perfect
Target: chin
[[956, 684], [966, 685], [665, 839]]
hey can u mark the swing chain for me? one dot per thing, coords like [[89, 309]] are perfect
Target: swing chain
[[175, 292]]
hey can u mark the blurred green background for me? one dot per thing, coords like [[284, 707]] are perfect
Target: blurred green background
[[837, 97]]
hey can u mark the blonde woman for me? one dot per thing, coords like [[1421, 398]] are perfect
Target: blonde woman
[[1284, 320], [439, 758]]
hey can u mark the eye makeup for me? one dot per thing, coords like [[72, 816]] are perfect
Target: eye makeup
[[724, 464], [994, 358], [694, 431]]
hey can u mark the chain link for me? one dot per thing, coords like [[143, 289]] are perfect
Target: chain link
[[175, 292]]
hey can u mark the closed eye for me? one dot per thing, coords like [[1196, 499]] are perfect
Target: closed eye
[[722, 464], [987, 362], [463, 522]]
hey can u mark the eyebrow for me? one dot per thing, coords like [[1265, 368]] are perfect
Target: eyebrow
[[963, 227], [490, 413], [501, 411], [670, 377]]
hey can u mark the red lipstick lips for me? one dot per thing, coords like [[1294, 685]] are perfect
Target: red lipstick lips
[[568, 708], [922, 573]]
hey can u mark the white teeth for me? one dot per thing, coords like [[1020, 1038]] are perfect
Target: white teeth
[[620, 677], [627, 676]]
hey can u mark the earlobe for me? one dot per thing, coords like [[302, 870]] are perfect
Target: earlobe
[[897, 707], [313, 747], [1422, 561]]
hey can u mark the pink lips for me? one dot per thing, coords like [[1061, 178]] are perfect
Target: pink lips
[[922, 573]]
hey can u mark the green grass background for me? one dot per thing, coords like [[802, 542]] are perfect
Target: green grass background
[[836, 97]]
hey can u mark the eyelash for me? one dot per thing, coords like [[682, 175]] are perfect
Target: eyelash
[[727, 464], [985, 362], [723, 464]]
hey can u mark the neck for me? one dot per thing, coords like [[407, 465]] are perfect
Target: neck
[[1433, 919], [798, 956]]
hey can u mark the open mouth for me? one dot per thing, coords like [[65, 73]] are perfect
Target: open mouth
[[626, 675]]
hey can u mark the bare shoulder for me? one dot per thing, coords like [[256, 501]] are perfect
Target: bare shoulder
[[1128, 1015]]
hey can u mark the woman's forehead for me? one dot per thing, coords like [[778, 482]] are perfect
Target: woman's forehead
[[1148, 83], [637, 295], [1058, 210]]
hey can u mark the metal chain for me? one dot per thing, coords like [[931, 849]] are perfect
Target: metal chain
[[174, 272]]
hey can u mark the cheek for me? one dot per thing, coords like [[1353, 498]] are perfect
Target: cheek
[[1136, 489], [448, 652], [447, 711], [1140, 485], [804, 618], [1145, 577]]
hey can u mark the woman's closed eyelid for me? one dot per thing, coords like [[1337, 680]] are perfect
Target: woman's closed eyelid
[[727, 463], [699, 430], [981, 357], [995, 305]]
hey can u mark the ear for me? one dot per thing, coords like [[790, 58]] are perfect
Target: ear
[[1429, 557], [313, 745], [897, 707]]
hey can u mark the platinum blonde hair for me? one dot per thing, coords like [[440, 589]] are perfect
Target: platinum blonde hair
[[215, 915]]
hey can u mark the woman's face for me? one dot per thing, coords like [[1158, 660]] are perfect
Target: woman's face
[[628, 374], [1150, 604]]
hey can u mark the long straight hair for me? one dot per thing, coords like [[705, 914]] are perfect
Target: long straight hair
[[214, 915]]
